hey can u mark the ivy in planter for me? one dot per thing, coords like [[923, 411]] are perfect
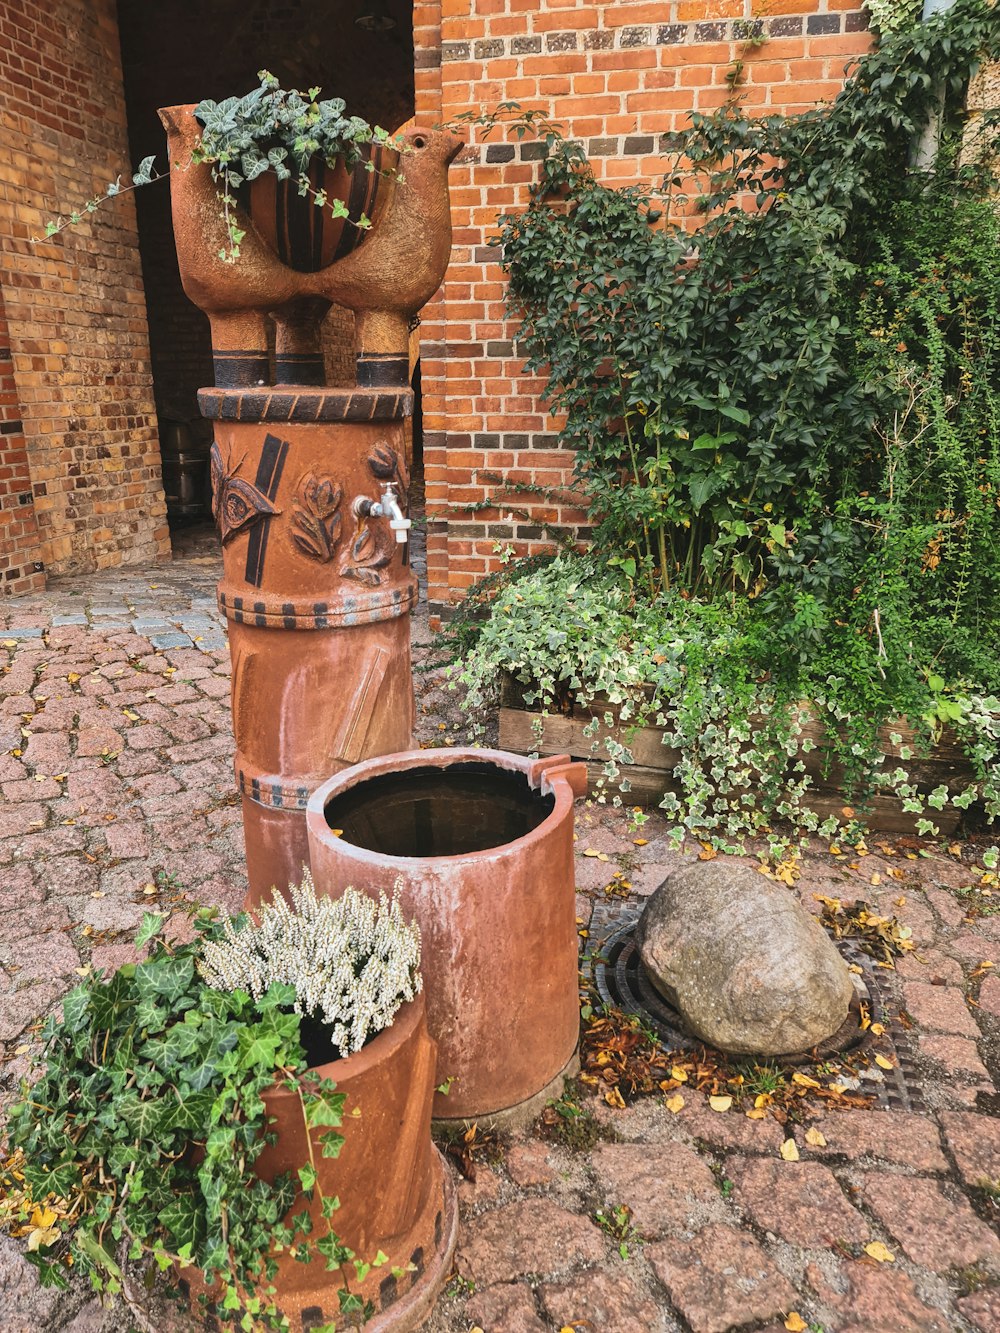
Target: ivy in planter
[[268, 129], [711, 676], [141, 1136], [788, 415]]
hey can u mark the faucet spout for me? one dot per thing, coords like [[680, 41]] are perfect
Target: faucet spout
[[388, 507]]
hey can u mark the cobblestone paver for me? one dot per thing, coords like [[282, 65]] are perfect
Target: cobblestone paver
[[117, 795]]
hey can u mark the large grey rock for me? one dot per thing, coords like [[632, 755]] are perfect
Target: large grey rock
[[748, 969]]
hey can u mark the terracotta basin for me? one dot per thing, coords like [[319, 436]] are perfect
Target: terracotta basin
[[482, 844], [394, 1190]]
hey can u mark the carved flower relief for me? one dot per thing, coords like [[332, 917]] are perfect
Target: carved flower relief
[[316, 521], [236, 503]]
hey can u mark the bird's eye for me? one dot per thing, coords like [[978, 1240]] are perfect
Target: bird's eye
[[420, 141]]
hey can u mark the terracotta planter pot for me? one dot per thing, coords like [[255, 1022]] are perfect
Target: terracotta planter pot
[[482, 843], [394, 1189]]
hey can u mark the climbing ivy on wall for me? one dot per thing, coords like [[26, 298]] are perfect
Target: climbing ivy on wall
[[779, 369]]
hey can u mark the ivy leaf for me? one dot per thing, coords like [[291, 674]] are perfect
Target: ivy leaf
[[164, 979], [152, 925], [142, 1117], [324, 1107], [144, 173]]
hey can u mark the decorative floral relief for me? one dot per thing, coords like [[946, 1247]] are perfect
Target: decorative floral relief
[[236, 503], [371, 549], [383, 460], [316, 522]]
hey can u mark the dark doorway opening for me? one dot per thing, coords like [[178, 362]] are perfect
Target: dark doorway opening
[[182, 52]]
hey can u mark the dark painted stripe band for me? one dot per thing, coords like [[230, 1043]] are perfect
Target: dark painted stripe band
[[237, 370], [351, 235], [300, 368], [268, 479], [279, 405], [382, 371]]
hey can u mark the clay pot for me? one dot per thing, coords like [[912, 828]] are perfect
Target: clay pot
[[308, 238], [482, 844], [395, 1192]]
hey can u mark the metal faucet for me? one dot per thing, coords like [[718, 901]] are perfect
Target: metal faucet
[[388, 507]]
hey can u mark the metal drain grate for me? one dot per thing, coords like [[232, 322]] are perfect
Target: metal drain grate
[[621, 981]]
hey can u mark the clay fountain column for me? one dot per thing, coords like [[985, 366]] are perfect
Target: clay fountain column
[[310, 482]]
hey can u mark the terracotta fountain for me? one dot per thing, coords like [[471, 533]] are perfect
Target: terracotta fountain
[[309, 482]]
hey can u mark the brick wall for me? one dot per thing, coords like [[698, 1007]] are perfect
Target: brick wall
[[20, 556], [75, 306], [619, 76]]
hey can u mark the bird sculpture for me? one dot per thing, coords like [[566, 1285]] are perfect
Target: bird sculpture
[[384, 272]]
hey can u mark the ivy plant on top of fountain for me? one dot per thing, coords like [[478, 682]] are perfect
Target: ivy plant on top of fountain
[[268, 129]]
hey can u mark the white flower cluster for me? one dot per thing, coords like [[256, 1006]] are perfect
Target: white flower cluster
[[353, 961]]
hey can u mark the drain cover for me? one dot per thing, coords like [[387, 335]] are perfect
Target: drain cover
[[621, 981]]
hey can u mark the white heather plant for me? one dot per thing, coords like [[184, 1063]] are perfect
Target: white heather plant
[[352, 960]]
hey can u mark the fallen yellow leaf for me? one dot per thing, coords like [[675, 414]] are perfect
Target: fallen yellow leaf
[[591, 851], [876, 879], [674, 1103], [640, 842], [42, 1216], [879, 1252], [877, 1029], [795, 1323], [614, 1098], [678, 1073], [758, 1113], [883, 1063], [804, 1081], [814, 1138], [43, 1236], [720, 1103], [790, 1150]]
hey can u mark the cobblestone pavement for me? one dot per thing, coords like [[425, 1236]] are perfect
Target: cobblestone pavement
[[115, 773]]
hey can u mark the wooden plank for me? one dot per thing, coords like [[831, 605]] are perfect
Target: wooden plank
[[559, 734], [650, 778]]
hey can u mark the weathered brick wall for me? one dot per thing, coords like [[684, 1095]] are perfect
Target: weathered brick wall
[[75, 305], [20, 557], [619, 76]]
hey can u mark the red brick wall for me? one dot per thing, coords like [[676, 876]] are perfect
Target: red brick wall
[[75, 306], [619, 76], [20, 557]]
